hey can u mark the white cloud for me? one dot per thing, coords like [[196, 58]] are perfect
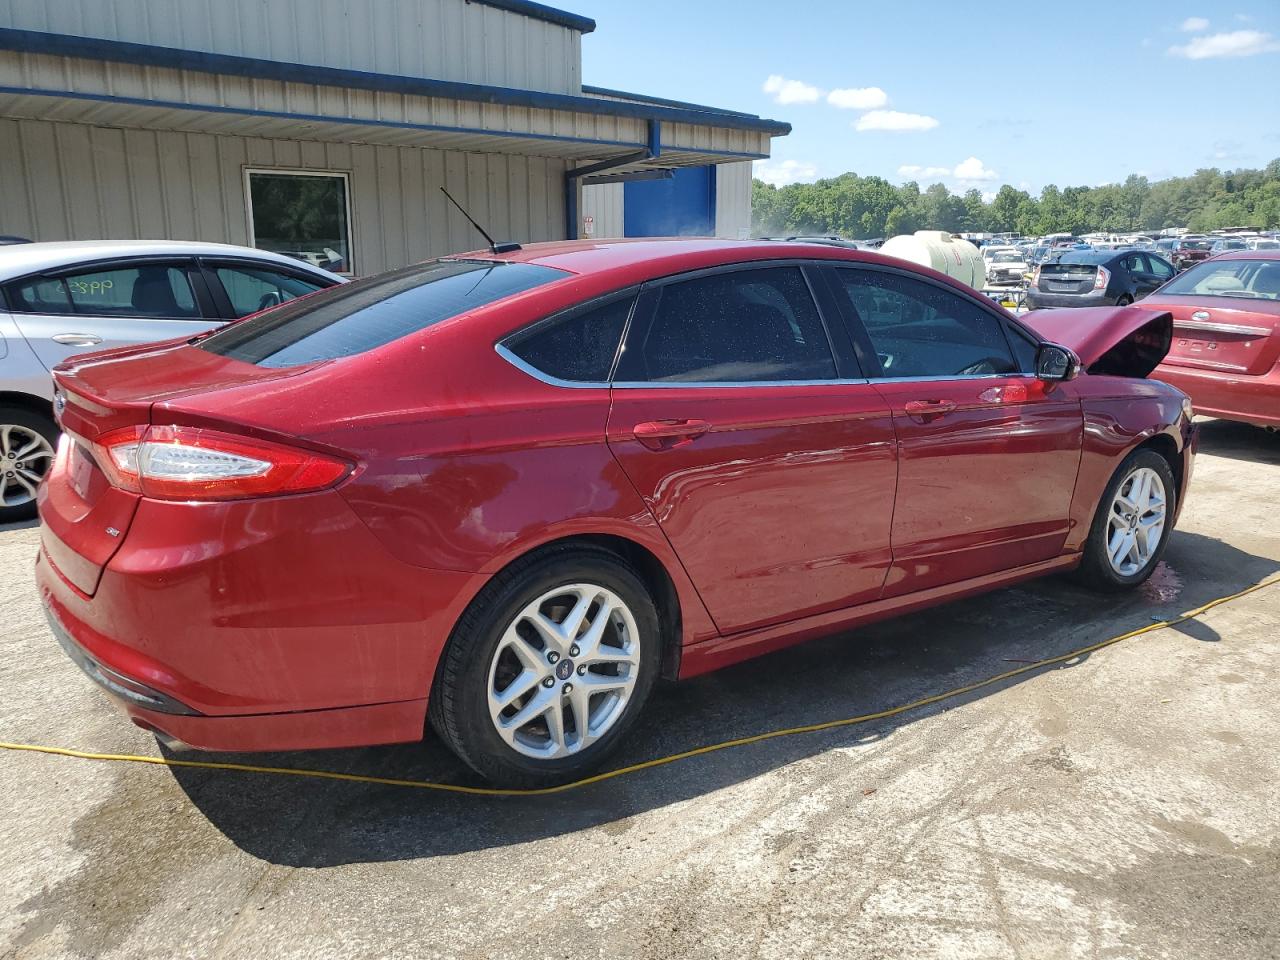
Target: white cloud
[[915, 170], [790, 91], [894, 120], [973, 169], [858, 98], [1237, 43], [781, 172], [988, 195], [1194, 25]]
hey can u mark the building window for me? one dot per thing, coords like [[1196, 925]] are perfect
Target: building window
[[301, 214]]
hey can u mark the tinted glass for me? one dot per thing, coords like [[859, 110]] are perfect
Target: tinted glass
[[359, 316], [919, 330], [579, 346], [1135, 263], [145, 291], [740, 327], [251, 289], [303, 216], [1246, 279], [1024, 351], [40, 296], [1087, 256], [1160, 268]]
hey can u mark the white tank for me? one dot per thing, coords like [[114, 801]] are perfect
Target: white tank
[[954, 256]]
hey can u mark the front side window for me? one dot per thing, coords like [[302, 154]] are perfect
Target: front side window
[[251, 289], [1160, 268], [352, 318], [919, 330], [579, 346], [744, 326], [302, 215]]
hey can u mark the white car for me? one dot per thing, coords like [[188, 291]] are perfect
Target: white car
[[1008, 266], [61, 299]]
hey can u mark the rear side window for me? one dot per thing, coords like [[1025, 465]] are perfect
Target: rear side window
[[579, 346], [156, 291], [355, 317], [40, 296], [745, 326], [145, 291]]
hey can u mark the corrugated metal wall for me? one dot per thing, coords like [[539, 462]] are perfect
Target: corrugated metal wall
[[444, 39], [733, 200], [733, 204], [74, 181], [603, 201]]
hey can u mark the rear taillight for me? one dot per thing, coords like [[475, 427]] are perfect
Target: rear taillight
[[1102, 279], [191, 463]]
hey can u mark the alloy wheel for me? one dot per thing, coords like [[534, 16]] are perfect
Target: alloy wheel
[[25, 457], [1136, 521], [564, 671]]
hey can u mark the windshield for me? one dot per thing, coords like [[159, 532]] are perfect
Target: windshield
[[355, 317], [1086, 256], [1247, 279], [1007, 258], [1196, 245]]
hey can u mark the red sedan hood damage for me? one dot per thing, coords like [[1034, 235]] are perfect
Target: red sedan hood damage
[[1114, 341]]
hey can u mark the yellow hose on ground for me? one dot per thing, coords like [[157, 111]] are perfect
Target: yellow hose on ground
[[647, 764]]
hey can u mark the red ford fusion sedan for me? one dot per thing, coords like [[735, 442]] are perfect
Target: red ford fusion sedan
[[1226, 335], [506, 492]]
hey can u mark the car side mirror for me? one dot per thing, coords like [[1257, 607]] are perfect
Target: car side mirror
[[1056, 363]]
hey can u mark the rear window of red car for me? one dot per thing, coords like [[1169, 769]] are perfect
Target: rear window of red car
[[352, 318]]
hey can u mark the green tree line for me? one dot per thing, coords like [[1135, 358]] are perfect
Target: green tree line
[[862, 207]]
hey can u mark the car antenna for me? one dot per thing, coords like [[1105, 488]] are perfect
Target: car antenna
[[506, 247]]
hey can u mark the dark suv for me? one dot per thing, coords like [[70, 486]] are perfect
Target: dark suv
[[1093, 278]]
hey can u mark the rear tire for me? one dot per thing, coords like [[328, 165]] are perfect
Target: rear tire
[[27, 444], [1136, 508], [528, 699]]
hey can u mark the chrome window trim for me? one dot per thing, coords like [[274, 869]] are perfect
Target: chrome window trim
[[525, 367], [670, 384], [537, 374], [958, 376]]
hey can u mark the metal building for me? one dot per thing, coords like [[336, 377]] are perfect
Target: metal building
[[324, 128]]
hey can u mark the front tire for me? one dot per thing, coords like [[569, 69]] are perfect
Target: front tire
[[1132, 525], [27, 444], [548, 668]]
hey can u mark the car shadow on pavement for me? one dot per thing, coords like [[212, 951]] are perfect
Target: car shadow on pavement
[[1239, 441], [318, 823]]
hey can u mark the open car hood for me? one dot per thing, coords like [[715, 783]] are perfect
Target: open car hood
[[1114, 341]]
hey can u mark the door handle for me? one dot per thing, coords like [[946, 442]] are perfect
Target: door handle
[[664, 434], [926, 410], [76, 339]]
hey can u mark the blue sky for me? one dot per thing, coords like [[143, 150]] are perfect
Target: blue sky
[[967, 94]]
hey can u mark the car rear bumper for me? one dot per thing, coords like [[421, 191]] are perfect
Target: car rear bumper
[[1254, 400], [273, 625], [1038, 299]]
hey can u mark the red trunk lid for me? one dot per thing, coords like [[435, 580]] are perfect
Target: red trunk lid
[[1236, 336], [83, 517]]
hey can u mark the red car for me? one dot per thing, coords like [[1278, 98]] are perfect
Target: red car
[[1226, 335], [508, 492]]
